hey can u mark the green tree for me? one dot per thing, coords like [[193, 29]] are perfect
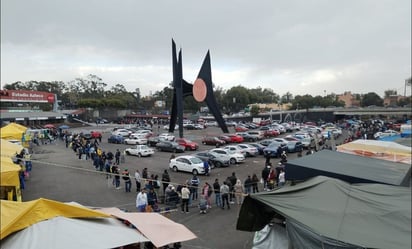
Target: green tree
[[371, 98], [254, 111]]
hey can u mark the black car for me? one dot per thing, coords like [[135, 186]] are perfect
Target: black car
[[213, 160], [170, 146], [259, 147], [152, 141]]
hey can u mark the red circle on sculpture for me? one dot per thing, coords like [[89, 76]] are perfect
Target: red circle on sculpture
[[199, 90]]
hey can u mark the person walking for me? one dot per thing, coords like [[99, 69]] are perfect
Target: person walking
[[224, 190], [216, 188], [185, 193], [141, 201]]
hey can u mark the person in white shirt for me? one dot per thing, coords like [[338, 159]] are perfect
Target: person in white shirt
[[282, 178], [185, 198], [141, 200]]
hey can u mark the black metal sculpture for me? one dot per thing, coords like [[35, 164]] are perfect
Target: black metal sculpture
[[201, 90]]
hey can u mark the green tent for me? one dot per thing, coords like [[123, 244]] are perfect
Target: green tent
[[326, 212]]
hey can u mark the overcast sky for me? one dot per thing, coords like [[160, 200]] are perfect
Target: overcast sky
[[300, 46]]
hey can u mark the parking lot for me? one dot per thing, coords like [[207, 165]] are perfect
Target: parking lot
[[58, 174]]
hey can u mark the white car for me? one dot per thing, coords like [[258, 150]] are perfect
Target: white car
[[387, 133], [166, 127], [145, 133], [248, 150], [235, 149], [139, 150], [234, 157], [122, 132], [136, 139], [167, 136], [190, 164]]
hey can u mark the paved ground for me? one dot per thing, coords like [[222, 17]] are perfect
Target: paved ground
[[59, 175]]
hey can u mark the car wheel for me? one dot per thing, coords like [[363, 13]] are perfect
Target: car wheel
[[139, 155], [195, 172], [232, 161], [248, 154], [175, 169], [204, 143], [128, 153], [174, 150], [218, 164]]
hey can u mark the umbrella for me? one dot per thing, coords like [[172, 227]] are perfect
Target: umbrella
[[64, 127], [49, 126]]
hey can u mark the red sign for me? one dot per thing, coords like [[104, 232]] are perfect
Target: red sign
[[26, 96]]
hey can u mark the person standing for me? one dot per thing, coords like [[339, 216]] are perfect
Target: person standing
[[255, 181], [141, 201], [224, 190], [165, 180], [216, 188], [194, 182], [117, 156], [233, 180], [206, 193], [281, 179], [127, 180], [185, 192], [238, 189], [248, 185], [138, 180], [265, 176]]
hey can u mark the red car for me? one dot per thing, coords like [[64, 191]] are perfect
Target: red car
[[271, 133], [225, 138], [213, 141], [189, 145], [234, 138], [240, 128]]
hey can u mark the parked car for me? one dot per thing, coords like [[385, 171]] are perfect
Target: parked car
[[293, 145], [234, 138], [257, 134], [266, 142], [133, 139], [249, 150], [387, 133], [259, 147], [213, 141], [152, 141], [167, 136], [275, 149], [115, 139], [225, 138], [145, 133], [235, 149], [247, 137], [187, 163], [170, 146], [188, 144], [214, 159], [234, 157], [241, 128], [122, 132], [139, 150]]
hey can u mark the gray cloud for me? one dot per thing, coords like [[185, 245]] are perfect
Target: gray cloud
[[297, 46]]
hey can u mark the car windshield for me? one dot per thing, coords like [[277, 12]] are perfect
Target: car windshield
[[273, 145], [195, 160], [143, 147]]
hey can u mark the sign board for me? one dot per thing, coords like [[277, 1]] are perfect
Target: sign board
[[26, 96]]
